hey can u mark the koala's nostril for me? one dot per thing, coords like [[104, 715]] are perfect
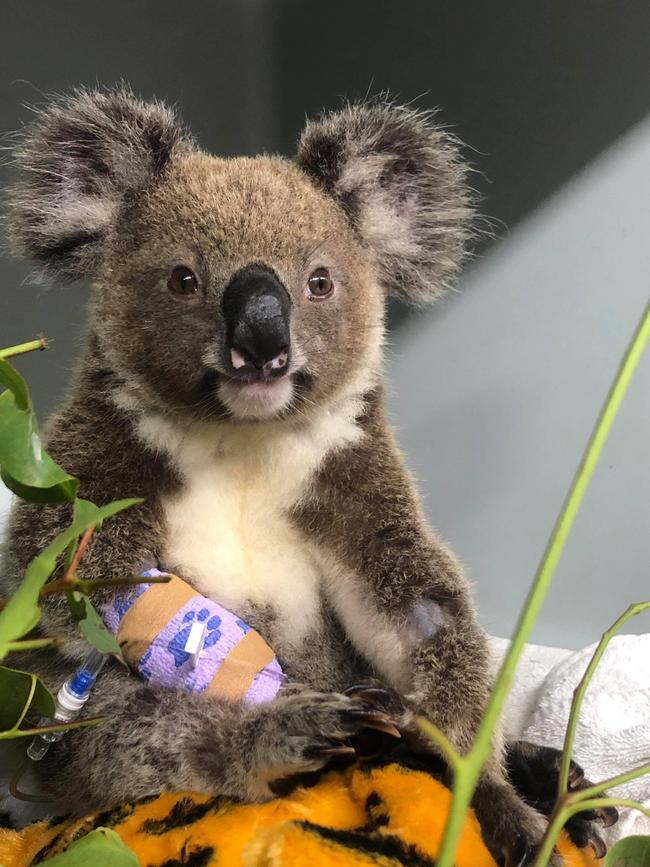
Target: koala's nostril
[[281, 360], [237, 358]]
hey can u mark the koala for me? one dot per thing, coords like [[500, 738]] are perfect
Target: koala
[[232, 377]]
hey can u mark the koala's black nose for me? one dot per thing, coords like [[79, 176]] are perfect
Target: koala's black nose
[[256, 310]]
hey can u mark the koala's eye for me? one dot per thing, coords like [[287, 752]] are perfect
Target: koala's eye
[[320, 284], [183, 281]]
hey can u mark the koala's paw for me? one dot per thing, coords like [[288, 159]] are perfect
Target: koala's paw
[[302, 732], [534, 771], [511, 829]]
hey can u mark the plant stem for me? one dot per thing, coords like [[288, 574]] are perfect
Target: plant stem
[[473, 762], [59, 727], [597, 803], [441, 740], [33, 644], [618, 780], [21, 348], [581, 689], [78, 554], [28, 702], [61, 586]]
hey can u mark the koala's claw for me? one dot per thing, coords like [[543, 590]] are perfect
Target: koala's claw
[[598, 845], [608, 816], [375, 694], [518, 855], [576, 775], [327, 751], [375, 720], [369, 693]]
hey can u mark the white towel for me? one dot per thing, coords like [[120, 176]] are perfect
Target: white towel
[[613, 733]]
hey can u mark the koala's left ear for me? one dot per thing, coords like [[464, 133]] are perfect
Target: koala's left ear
[[402, 184]]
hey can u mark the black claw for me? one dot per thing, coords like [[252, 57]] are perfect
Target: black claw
[[375, 720], [576, 775], [332, 752], [375, 695], [328, 750], [598, 845], [608, 816], [518, 855]]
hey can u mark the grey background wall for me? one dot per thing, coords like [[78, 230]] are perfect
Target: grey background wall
[[495, 390]]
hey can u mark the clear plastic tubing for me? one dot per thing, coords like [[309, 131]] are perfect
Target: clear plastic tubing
[[69, 702]]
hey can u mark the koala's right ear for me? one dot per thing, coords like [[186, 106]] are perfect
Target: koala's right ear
[[80, 161]]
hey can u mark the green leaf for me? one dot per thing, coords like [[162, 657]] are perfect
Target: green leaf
[[76, 604], [25, 467], [22, 612], [19, 691], [101, 848], [11, 379], [629, 852], [92, 626]]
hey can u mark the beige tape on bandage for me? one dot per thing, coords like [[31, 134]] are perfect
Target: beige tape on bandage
[[240, 667], [149, 615]]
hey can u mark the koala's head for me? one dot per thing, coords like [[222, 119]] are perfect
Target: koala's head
[[246, 288]]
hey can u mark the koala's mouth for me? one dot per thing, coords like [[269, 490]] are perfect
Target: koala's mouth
[[257, 398]]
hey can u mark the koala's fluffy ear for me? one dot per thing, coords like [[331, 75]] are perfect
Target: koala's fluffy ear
[[81, 159], [402, 184]]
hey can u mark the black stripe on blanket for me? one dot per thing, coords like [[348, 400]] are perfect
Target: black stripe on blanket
[[386, 846]]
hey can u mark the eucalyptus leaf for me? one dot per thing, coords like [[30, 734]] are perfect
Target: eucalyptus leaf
[[92, 626], [25, 466], [101, 848], [629, 852], [22, 612], [19, 691], [11, 379]]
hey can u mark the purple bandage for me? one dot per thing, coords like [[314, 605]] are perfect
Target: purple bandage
[[202, 646]]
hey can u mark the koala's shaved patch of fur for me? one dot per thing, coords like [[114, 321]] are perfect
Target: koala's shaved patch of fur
[[81, 161], [403, 185]]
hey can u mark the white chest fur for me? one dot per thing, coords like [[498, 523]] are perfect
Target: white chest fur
[[228, 530]]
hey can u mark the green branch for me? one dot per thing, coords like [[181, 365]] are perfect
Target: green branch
[[33, 644], [618, 780], [581, 689], [440, 740], [22, 348], [468, 772], [51, 728], [567, 808]]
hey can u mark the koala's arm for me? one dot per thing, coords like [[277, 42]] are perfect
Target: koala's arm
[[399, 592], [155, 739]]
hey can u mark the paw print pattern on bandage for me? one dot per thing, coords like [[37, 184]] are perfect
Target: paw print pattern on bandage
[[177, 644], [145, 671]]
